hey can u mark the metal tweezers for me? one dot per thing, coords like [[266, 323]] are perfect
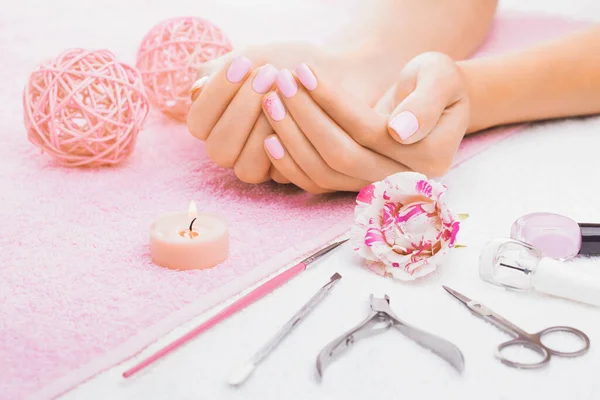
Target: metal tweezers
[[380, 320]]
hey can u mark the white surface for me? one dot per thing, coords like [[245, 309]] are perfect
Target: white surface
[[549, 167]]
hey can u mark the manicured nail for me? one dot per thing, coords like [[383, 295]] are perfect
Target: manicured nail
[[405, 124], [306, 77], [274, 106], [286, 83], [264, 80], [238, 69], [274, 147]]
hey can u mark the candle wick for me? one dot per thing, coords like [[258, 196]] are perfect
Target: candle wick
[[192, 224]]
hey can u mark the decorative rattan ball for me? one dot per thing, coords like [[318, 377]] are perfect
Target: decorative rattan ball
[[85, 108], [169, 56]]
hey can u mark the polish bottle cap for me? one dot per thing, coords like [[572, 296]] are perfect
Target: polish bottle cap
[[557, 236], [590, 239]]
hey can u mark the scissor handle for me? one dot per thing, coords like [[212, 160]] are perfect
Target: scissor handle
[[534, 345], [534, 342], [585, 340]]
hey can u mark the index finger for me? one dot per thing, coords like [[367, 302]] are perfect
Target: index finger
[[351, 114], [215, 96]]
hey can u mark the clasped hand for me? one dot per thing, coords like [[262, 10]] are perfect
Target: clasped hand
[[305, 127]]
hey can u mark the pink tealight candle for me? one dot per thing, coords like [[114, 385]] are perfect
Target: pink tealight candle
[[189, 240]]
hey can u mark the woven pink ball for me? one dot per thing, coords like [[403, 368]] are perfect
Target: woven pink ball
[[169, 57], [85, 108]]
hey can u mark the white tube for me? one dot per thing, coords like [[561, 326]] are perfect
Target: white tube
[[568, 281]]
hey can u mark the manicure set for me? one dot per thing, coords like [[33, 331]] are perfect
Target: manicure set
[[533, 259]]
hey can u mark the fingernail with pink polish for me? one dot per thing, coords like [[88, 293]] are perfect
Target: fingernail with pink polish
[[286, 83], [274, 147], [306, 77], [264, 80], [238, 69], [274, 106], [405, 124]]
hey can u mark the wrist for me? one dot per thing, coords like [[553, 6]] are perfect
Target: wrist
[[484, 87]]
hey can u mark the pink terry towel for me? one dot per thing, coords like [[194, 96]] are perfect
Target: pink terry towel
[[78, 291]]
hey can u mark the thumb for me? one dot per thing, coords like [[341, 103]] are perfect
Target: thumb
[[424, 91]]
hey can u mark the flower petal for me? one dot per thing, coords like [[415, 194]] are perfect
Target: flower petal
[[374, 236], [423, 187], [366, 195]]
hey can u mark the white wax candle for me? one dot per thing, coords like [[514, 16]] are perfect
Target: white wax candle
[[173, 245]]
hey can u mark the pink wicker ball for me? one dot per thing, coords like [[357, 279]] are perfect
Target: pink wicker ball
[[169, 57], [85, 108]]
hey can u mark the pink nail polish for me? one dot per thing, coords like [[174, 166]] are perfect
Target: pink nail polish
[[286, 83], [238, 69], [264, 80], [405, 124], [274, 147], [274, 106], [306, 77]]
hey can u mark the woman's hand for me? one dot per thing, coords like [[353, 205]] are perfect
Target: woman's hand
[[329, 139], [428, 111], [310, 149], [226, 112], [419, 122]]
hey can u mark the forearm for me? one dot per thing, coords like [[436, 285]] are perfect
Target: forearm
[[386, 34], [553, 80]]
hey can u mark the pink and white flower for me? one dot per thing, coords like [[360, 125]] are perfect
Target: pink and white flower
[[402, 225]]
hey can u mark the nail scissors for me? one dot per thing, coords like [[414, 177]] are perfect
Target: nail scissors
[[532, 341], [380, 319]]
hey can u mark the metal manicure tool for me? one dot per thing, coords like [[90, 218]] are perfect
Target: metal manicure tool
[[531, 341], [380, 320], [240, 375]]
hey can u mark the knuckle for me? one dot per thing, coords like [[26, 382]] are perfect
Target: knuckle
[[249, 175], [344, 160], [275, 175], [322, 180], [367, 137], [279, 179], [218, 155], [433, 58]]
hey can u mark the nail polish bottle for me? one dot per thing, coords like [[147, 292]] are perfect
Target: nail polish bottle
[[557, 236], [516, 265]]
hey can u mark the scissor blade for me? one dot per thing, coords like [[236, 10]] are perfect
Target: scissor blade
[[464, 299], [323, 251]]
